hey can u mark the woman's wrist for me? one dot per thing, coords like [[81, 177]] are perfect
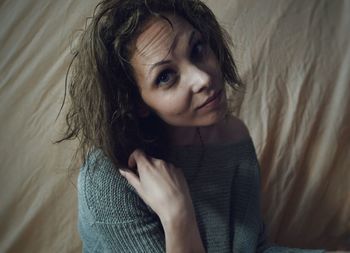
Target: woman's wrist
[[181, 210]]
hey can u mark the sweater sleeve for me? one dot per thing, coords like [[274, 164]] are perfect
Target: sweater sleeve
[[251, 235], [263, 245], [112, 217]]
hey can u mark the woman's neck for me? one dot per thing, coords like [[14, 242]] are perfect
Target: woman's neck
[[213, 134]]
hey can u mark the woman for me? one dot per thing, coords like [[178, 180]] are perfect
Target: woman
[[166, 168]]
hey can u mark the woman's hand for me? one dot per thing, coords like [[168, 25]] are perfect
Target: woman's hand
[[164, 188], [161, 185]]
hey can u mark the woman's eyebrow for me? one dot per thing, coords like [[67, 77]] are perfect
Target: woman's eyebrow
[[159, 64], [171, 49]]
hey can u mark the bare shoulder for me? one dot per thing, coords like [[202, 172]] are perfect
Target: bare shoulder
[[237, 130]]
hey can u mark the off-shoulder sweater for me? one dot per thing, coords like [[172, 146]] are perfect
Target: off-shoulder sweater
[[224, 183]]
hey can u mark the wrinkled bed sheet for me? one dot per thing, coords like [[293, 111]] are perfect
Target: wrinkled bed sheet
[[294, 58]]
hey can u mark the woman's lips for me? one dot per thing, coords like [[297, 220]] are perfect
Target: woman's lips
[[212, 101]]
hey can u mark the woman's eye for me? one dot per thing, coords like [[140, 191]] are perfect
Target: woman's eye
[[198, 50], [165, 77]]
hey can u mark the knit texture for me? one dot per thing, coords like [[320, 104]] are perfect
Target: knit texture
[[224, 183]]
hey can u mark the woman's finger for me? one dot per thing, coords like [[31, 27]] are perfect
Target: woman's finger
[[136, 158], [132, 178]]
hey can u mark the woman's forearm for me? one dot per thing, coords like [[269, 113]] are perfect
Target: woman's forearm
[[182, 235]]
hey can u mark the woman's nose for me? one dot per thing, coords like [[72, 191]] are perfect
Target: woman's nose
[[198, 78]]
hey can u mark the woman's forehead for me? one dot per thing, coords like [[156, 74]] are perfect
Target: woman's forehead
[[158, 37]]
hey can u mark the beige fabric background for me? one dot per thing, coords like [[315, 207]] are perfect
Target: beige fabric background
[[294, 57]]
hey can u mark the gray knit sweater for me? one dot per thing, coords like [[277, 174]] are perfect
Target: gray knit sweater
[[224, 188]]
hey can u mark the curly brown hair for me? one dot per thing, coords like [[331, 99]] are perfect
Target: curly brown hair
[[104, 95]]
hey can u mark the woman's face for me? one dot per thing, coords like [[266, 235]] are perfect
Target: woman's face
[[178, 74]]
